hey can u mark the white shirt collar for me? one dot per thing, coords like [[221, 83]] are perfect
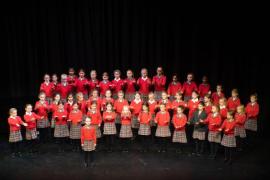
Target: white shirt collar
[[144, 78], [28, 113]]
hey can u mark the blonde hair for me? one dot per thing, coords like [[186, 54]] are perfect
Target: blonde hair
[[11, 110]]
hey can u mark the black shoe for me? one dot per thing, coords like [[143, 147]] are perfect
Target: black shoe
[[85, 164], [163, 151]]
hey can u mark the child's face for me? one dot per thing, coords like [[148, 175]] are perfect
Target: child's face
[[42, 97], [120, 95], [178, 96], [206, 99], [239, 109], [174, 78], [229, 116], [164, 96], [95, 94], [219, 89], [137, 96], [54, 78], [179, 110], [129, 74], [70, 98], [109, 107], [116, 74], [105, 77], [125, 109], [145, 108], [253, 99], [80, 97], [63, 80], [214, 109], [81, 74], [189, 77], [108, 94], [194, 95], [221, 102], [28, 109], [234, 94], [47, 78], [71, 72], [151, 96], [75, 107], [93, 106], [57, 97], [200, 107], [60, 106], [162, 107], [144, 73], [159, 70], [13, 113], [93, 75], [87, 121]]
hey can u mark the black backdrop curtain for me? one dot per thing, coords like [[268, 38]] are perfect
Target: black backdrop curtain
[[48, 37]]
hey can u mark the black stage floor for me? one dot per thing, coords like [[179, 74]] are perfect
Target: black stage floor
[[49, 164]]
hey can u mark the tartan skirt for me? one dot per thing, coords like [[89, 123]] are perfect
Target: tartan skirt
[[129, 96], [52, 123], [89, 145], [228, 141], [251, 124], [157, 95], [144, 130], [198, 135], [31, 134], [61, 131], [114, 96], [134, 122], [240, 131], [163, 131], [125, 131], [144, 97], [214, 137], [75, 131], [109, 128], [118, 119], [179, 136], [98, 132], [15, 136], [43, 123], [152, 121]]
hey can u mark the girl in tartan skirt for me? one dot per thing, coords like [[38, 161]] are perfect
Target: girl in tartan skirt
[[43, 124], [207, 104], [130, 86], [88, 142], [135, 107], [223, 108], [252, 111], [144, 83], [179, 121], [96, 118], [214, 122], [15, 136], [163, 131], [109, 130], [159, 82], [240, 132], [126, 132], [118, 107], [153, 106], [174, 87], [75, 117], [53, 108], [61, 129], [200, 129], [31, 130], [47, 87], [145, 118], [178, 101], [228, 139], [107, 99]]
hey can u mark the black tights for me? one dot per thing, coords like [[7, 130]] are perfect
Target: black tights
[[251, 138], [15, 147], [76, 144], [213, 148], [145, 141], [88, 155], [199, 146], [109, 141], [229, 153], [43, 134], [163, 143], [61, 143], [31, 145], [125, 143]]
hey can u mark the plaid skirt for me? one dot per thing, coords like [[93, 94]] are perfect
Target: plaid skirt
[[144, 130], [198, 135], [49, 100], [109, 128], [118, 119], [240, 131], [31, 134], [89, 145], [75, 131], [214, 137], [129, 96], [125, 131], [251, 124], [152, 121], [163, 131], [61, 131], [114, 96], [98, 132], [228, 141], [144, 97], [52, 123], [43, 123], [134, 122], [15, 136], [179, 136], [157, 95]]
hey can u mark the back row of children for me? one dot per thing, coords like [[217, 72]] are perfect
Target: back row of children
[[121, 110]]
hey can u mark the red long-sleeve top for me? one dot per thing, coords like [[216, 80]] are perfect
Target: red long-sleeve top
[[179, 122], [136, 107], [47, 88], [104, 86], [252, 110], [214, 122], [152, 106], [176, 104], [126, 119], [81, 85], [88, 134], [228, 127], [145, 117], [162, 118], [144, 85], [215, 97], [192, 105], [31, 120], [223, 112], [75, 116], [233, 103], [64, 89], [188, 88], [92, 84], [95, 116], [159, 82], [118, 105], [174, 88], [60, 117], [42, 108], [13, 121], [117, 85], [240, 119], [130, 85], [203, 89], [109, 116]]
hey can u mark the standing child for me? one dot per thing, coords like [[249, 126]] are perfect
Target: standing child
[[118, 107], [199, 128], [178, 102], [104, 85], [193, 104], [130, 86], [88, 142], [61, 129], [214, 122], [164, 100], [48, 88], [159, 82], [93, 82], [174, 87], [109, 125], [53, 108], [94, 98], [15, 136], [107, 99], [43, 124], [81, 84], [71, 76], [163, 131], [217, 95], [207, 104], [223, 108], [233, 101], [179, 121], [145, 130], [136, 107], [153, 106], [31, 129], [64, 88], [81, 103], [188, 87], [228, 139], [252, 111], [125, 132], [240, 132], [75, 117], [204, 88], [96, 118], [117, 83], [144, 83]]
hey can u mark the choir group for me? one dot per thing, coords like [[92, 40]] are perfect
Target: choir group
[[89, 111]]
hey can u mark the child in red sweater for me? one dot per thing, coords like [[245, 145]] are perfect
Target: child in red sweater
[[125, 132], [130, 86], [174, 87], [240, 132], [159, 82], [233, 101]]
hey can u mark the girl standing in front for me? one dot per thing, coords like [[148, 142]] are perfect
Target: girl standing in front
[[125, 132]]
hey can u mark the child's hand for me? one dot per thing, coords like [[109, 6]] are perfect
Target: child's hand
[[201, 121], [25, 124], [188, 123], [226, 130], [82, 144], [213, 124], [18, 125], [95, 145], [197, 123], [33, 119], [220, 129]]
